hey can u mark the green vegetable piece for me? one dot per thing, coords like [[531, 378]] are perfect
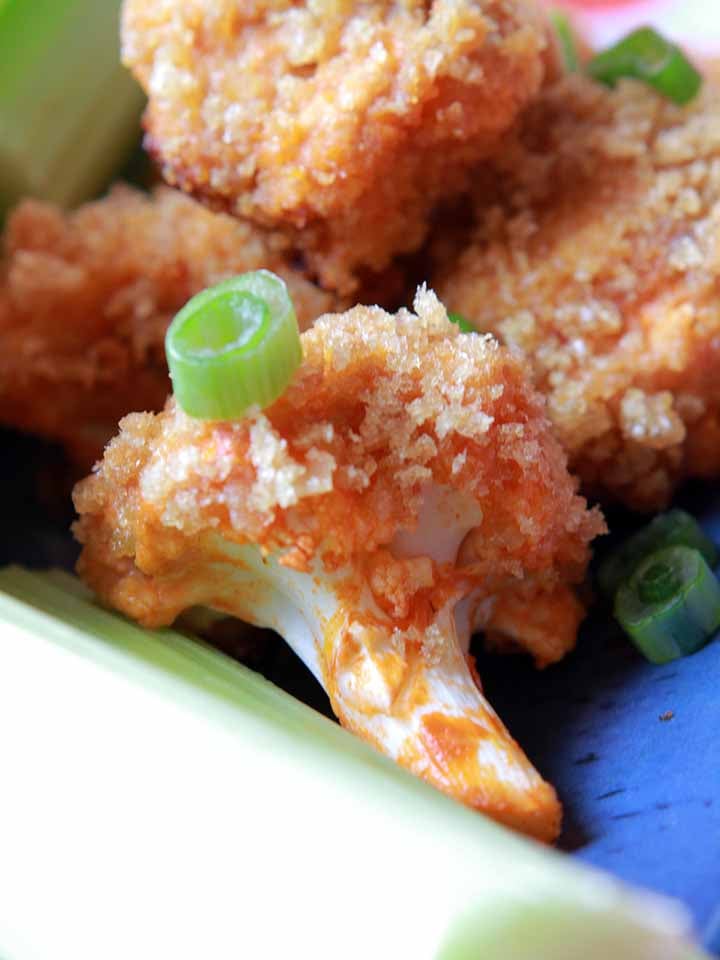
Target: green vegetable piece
[[233, 346], [189, 783], [647, 56], [670, 607], [566, 40], [674, 528], [69, 111], [460, 321]]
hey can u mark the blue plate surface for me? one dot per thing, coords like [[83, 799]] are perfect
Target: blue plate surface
[[632, 748]]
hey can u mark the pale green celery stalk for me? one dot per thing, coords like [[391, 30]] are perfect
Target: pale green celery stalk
[[159, 800], [69, 111]]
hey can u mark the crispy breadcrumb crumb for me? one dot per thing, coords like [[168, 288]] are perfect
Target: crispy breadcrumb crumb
[[542, 621], [86, 297], [381, 406], [341, 122], [596, 250], [327, 500]]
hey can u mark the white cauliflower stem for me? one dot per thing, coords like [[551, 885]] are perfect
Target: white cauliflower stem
[[406, 488]]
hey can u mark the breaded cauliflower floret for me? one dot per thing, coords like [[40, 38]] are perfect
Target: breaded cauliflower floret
[[86, 297], [407, 470], [596, 250], [341, 122]]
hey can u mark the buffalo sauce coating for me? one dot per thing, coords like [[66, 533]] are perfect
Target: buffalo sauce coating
[[322, 481], [341, 122], [542, 621], [452, 742], [461, 747]]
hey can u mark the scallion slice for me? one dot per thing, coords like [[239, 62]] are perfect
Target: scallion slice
[[670, 607], [646, 55], [674, 528], [566, 40], [233, 346], [459, 320]]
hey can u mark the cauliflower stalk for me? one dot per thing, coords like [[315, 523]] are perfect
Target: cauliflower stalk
[[405, 488]]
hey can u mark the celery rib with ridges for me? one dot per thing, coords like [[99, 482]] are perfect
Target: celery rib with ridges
[[156, 789], [69, 111]]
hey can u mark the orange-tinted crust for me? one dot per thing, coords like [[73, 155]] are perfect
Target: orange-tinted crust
[[348, 448], [342, 123], [322, 481], [86, 297], [541, 622], [595, 250]]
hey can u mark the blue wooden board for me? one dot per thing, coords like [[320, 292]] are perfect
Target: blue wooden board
[[633, 749]]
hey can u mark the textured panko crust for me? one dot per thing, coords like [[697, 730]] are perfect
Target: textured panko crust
[[384, 409], [596, 250], [381, 406], [343, 122], [86, 297], [541, 621]]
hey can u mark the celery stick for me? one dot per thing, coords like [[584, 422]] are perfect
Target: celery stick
[[159, 800], [69, 111]]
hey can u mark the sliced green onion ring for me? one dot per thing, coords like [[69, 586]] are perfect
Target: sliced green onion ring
[[646, 55], [566, 40], [670, 607], [233, 346], [674, 528], [459, 320]]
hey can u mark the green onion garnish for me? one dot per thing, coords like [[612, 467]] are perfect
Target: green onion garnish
[[233, 346], [460, 321], [566, 40], [645, 55], [670, 607], [674, 528]]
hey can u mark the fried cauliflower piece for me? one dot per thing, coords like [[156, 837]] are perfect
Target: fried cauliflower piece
[[596, 250], [537, 620], [86, 297], [341, 122], [339, 517]]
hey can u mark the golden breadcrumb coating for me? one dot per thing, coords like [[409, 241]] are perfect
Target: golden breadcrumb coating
[[540, 621], [86, 297], [330, 483], [344, 121], [381, 406], [596, 250]]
